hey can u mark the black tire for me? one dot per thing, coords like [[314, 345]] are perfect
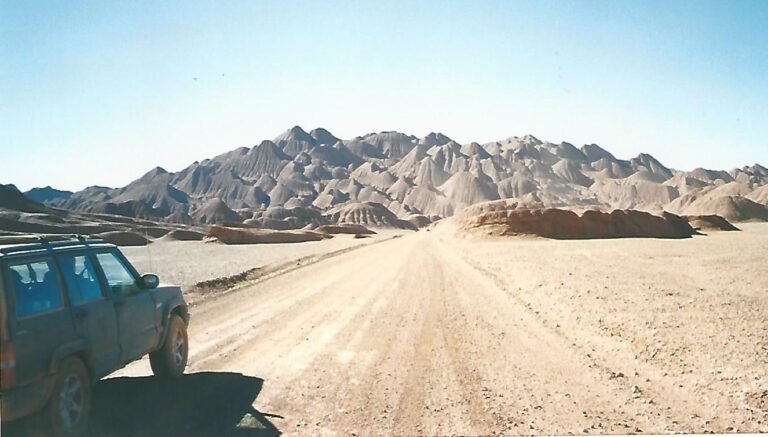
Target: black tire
[[171, 359], [69, 408]]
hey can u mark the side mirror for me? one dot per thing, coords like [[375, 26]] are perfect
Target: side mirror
[[150, 281]]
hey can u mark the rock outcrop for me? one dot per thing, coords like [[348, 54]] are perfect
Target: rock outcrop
[[710, 223], [514, 218]]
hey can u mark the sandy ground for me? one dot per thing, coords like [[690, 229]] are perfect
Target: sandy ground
[[186, 263], [433, 334]]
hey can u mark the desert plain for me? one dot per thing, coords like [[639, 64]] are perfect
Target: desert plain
[[440, 332]]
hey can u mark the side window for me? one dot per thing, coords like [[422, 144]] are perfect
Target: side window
[[78, 272], [119, 278], [37, 290]]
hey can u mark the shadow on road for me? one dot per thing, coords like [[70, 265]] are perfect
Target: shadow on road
[[197, 404]]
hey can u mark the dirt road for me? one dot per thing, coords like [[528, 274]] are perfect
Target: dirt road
[[430, 334]]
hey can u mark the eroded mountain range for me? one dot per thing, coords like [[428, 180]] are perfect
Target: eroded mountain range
[[300, 178]]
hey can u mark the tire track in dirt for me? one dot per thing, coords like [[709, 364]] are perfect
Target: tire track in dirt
[[426, 406], [667, 402], [289, 310]]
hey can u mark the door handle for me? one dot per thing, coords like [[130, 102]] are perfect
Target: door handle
[[80, 314]]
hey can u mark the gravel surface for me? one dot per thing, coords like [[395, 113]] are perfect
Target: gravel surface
[[437, 335]]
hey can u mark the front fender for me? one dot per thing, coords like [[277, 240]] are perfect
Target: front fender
[[169, 299]]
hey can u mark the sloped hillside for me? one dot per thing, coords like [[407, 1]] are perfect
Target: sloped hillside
[[20, 215]]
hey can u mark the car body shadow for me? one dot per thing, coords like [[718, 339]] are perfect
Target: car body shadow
[[197, 404]]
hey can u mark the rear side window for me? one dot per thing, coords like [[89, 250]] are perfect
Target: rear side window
[[119, 278], [37, 290], [82, 284]]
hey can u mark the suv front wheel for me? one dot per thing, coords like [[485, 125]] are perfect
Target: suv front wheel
[[68, 409], [171, 358]]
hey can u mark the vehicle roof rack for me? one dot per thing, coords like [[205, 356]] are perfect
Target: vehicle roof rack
[[46, 242]]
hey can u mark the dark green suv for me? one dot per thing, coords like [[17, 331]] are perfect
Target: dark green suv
[[72, 312]]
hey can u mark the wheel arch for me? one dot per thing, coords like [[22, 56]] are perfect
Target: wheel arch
[[181, 311], [173, 309], [77, 349]]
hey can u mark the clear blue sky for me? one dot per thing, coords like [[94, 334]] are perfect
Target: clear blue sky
[[99, 92]]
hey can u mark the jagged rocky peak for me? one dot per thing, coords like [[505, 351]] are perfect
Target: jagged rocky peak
[[596, 153], [391, 144], [322, 136], [755, 169], [360, 147], [294, 141], [335, 156], [475, 149], [267, 147], [651, 164], [13, 199], [709, 175], [435, 139], [569, 151], [157, 171], [294, 133], [152, 175], [156, 176], [47, 194], [530, 140]]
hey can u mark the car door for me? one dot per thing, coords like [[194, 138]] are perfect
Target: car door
[[41, 323], [92, 310], [135, 306]]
